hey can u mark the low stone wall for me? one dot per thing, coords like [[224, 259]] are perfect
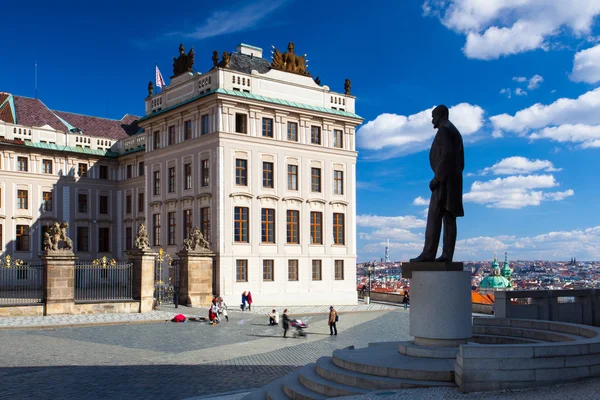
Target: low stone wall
[[397, 299], [22, 311], [107, 308]]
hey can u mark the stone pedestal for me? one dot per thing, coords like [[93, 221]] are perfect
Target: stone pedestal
[[196, 278], [60, 282], [143, 278], [440, 305]]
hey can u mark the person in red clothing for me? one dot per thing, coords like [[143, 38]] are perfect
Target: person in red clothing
[[249, 299]]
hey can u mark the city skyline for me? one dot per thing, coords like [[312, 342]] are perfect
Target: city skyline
[[521, 84]]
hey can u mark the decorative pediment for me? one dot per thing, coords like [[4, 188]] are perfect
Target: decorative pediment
[[27, 217], [268, 199], [243, 195], [338, 202], [293, 200], [156, 204], [316, 200]]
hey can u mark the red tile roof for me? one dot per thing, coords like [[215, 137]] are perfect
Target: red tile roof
[[32, 112], [6, 113], [102, 127]]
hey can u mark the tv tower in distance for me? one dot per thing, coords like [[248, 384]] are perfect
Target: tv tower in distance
[[387, 252]]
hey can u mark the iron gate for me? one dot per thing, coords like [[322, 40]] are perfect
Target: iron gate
[[166, 279]]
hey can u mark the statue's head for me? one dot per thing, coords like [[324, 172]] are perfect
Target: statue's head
[[439, 115], [291, 47], [181, 49]]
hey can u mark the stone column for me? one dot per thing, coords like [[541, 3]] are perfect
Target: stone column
[[60, 282], [196, 278], [143, 278]]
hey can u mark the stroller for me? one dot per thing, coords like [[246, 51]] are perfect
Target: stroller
[[299, 327]]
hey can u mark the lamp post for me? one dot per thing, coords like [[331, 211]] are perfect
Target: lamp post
[[369, 272]]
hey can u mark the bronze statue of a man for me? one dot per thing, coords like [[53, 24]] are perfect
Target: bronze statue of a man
[[447, 160]]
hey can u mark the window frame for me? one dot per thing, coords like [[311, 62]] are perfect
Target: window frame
[[22, 164], [241, 223], [205, 222], [171, 136], [268, 175], [268, 270], [241, 270], [315, 135], [156, 229], [338, 138], [172, 186], [47, 201], [315, 180], [23, 237], [156, 183], [338, 266], [293, 266], [317, 270], [267, 225], [204, 124], [293, 226], [187, 130], [156, 140], [82, 205], [83, 239], [103, 242], [267, 127], [188, 221], [292, 177], [339, 229], [172, 226], [243, 121], [316, 228], [128, 204], [205, 164], [187, 176], [338, 182], [292, 134], [22, 199], [82, 170], [241, 172], [103, 201], [47, 166]]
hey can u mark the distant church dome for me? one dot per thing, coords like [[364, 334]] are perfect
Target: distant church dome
[[497, 278]]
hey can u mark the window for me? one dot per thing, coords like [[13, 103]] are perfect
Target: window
[[338, 228], [292, 131], [316, 270], [187, 223], [128, 238], [339, 270], [103, 206], [241, 172], [267, 127], [204, 125], [268, 270], [47, 201], [267, 174], [22, 164], [47, 166], [156, 183], [316, 227], [82, 170], [171, 232], [128, 203], [172, 180], [83, 203], [240, 227], [338, 139], [187, 172], [241, 270], [268, 225], [156, 229], [22, 238], [187, 130], [156, 140], [171, 136], [315, 134], [83, 238], [292, 177], [103, 240], [315, 179], [205, 222], [129, 172], [22, 199], [293, 230], [140, 202], [292, 270], [338, 182], [241, 123], [103, 172], [141, 168], [205, 173]]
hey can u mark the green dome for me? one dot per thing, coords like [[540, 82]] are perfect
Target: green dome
[[506, 271], [495, 282]]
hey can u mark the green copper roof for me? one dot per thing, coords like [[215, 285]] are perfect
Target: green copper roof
[[495, 282], [80, 150]]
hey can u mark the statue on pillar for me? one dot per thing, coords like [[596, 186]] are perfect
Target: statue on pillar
[[150, 89], [195, 242], [215, 59], [290, 61], [54, 235], [347, 86], [141, 239], [226, 59], [184, 63]]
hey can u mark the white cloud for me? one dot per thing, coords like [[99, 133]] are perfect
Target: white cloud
[[399, 222], [420, 201], [586, 135], [507, 92], [535, 82], [390, 233], [519, 165], [519, 79], [586, 65], [520, 92], [495, 28], [400, 135]]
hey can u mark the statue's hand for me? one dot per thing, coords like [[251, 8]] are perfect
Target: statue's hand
[[434, 184]]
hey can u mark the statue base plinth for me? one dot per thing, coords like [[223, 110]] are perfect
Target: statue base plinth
[[409, 267]]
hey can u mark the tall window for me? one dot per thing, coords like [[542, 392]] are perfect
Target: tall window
[[315, 134], [240, 227], [316, 270], [292, 131], [241, 172], [268, 225], [338, 182], [47, 201], [141, 168], [22, 238], [129, 171], [171, 139], [47, 166], [171, 180], [103, 205], [268, 270], [187, 223], [156, 183], [187, 172], [83, 238], [292, 177], [316, 227], [156, 140], [205, 222], [338, 228], [292, 270], [267, 127], [128, 238], [171, 232], [267, 174], [293, 230], [339, 270], [22, 164], [140, 202], [103, 172], [205, 172], [128, 204], [338, 138], [205, 127], [103, 240], [82, 170], [156, 229], [241, 270], [187, 130], [315, 179], [22, 199], [241, 123]]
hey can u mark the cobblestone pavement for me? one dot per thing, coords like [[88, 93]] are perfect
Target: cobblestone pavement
[[174, 361]]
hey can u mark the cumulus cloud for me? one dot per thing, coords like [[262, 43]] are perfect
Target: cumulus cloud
[[507, 92], [535, 82], [390, 233], [520, 92], [586, 65], [399, 222], [520, 79], [519, 165], [502, 28], [400, 135], [419, 201]]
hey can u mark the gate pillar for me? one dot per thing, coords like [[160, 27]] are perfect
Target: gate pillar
[[143, 278], [60, 281], [196, 278]]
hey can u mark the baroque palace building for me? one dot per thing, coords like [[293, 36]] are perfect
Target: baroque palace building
[[256, 153]]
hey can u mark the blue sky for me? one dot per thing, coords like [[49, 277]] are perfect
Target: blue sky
[[520, 79]]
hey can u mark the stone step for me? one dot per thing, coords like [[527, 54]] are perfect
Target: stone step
[[328, 370], [387, 361], [526, 333], [408, 348], [498, 339], [271, 391], [295, 390], [315, 382]]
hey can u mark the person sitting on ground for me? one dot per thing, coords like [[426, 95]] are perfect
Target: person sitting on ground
[[222, 308], [273, 317], [213, 313]]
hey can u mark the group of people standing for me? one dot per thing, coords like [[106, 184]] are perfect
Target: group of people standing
[[246, 299]]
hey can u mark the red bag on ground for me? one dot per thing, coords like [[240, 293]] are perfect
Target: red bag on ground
[[179, 318]]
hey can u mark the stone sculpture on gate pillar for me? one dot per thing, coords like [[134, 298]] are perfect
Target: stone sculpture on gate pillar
[[196, 262], [141, 239], [55, 235]]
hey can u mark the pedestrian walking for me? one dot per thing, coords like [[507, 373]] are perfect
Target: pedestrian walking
[[286, 322], [244, 299], [405, 300], [333, 319], [249, 299]]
